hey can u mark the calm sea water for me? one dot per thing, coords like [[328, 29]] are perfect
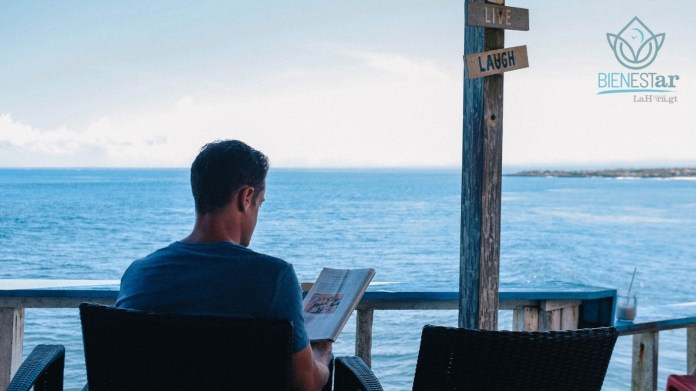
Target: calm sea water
[[90, 224]]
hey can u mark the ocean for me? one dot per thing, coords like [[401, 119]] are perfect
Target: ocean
[[91, 223]]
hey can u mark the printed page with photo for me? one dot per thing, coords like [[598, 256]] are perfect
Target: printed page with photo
[[331, 300]]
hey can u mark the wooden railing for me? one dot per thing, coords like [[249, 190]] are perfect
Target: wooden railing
[[646, 335], [559, 314], [534, 308], [551, 306]]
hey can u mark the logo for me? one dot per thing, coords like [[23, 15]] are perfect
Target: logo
[[635, 46]]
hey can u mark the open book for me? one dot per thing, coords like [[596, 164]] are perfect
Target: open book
[[332, 299]]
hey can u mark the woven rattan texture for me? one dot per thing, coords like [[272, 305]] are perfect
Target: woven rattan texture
[[351, 373], [43, 370], [464, 359], [134, 350]]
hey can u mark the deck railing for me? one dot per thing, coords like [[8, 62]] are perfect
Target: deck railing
[[646, 335], [560, 314], [551, 306]]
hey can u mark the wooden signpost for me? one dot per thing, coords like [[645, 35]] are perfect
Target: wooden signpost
[[486, 61]]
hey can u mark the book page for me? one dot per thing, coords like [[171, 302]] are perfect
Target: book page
[[331, 300]]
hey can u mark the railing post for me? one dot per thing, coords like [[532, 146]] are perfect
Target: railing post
[[525, 319], [690, 348], [549, 315], [644, 372], [570, 317], [549, 320], [11, 341], [363, 335]]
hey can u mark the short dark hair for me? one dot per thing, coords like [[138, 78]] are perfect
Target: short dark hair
[[221, 169]]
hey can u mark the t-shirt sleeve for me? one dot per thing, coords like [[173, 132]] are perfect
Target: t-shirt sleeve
[[287, 304]]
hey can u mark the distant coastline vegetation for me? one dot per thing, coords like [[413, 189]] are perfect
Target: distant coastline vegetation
[[614, 173]]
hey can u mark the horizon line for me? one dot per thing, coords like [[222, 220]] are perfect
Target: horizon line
[[528, 166]]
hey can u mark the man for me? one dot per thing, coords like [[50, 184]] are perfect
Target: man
[[212, 272]]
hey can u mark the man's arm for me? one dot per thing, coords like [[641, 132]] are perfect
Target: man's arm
[[310, 367]]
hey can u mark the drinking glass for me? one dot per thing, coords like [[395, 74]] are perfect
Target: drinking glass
[[626, 307]]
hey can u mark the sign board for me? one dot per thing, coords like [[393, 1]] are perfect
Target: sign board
[[496, 61], [497, 16]]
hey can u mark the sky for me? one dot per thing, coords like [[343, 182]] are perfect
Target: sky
[[327, 84]]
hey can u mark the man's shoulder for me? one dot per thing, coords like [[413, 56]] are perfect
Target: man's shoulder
[[268, 260], [257, 254], [212, 251]]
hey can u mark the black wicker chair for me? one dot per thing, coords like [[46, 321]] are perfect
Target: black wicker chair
[[136, 350], [42, 370], [351, 373], [465, 359]]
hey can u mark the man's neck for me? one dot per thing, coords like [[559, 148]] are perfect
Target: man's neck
[[214, 227]]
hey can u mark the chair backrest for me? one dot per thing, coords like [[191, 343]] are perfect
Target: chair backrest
[[136, 350], [465, 359]]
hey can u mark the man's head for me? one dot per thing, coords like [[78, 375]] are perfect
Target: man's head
[[222, 169]]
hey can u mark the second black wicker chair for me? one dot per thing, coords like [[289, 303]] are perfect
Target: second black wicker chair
[[135, 350], [41, 371], [465, 359]]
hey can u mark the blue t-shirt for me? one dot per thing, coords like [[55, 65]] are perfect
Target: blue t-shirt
[[222, 279]]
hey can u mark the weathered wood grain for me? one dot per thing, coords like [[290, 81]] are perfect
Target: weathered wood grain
[[11, 343], [549, 320], [550, 305], [525, 319], [495, 62], [495, 16], [472, 151], [481, 188], [570, 317], [53, 302], [645, 353], [363, 337], [690, 349]]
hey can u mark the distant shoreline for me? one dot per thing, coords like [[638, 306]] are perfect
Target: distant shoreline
[[612, 173]]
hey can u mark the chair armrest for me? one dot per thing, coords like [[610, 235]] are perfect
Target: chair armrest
[[42, 369], [351, 373]]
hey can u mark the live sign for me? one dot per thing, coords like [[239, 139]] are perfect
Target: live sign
[[497, 16]]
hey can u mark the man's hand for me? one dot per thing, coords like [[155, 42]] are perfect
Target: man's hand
[[310, 366], [322, 351]]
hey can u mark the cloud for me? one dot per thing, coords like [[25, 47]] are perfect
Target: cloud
[[103, 143], [58, 142], [365, 109], [310, 119]]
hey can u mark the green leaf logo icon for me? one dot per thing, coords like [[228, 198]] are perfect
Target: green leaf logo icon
[[635, 46]]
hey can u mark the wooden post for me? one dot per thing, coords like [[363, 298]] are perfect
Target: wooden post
[[549, 320], [690, 349], [549, 315], [481, 186], [363, 335], [525, 319], [11, 341], [570, 317], [645, 351]]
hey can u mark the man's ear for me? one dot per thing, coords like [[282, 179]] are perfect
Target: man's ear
[[245, 198]]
